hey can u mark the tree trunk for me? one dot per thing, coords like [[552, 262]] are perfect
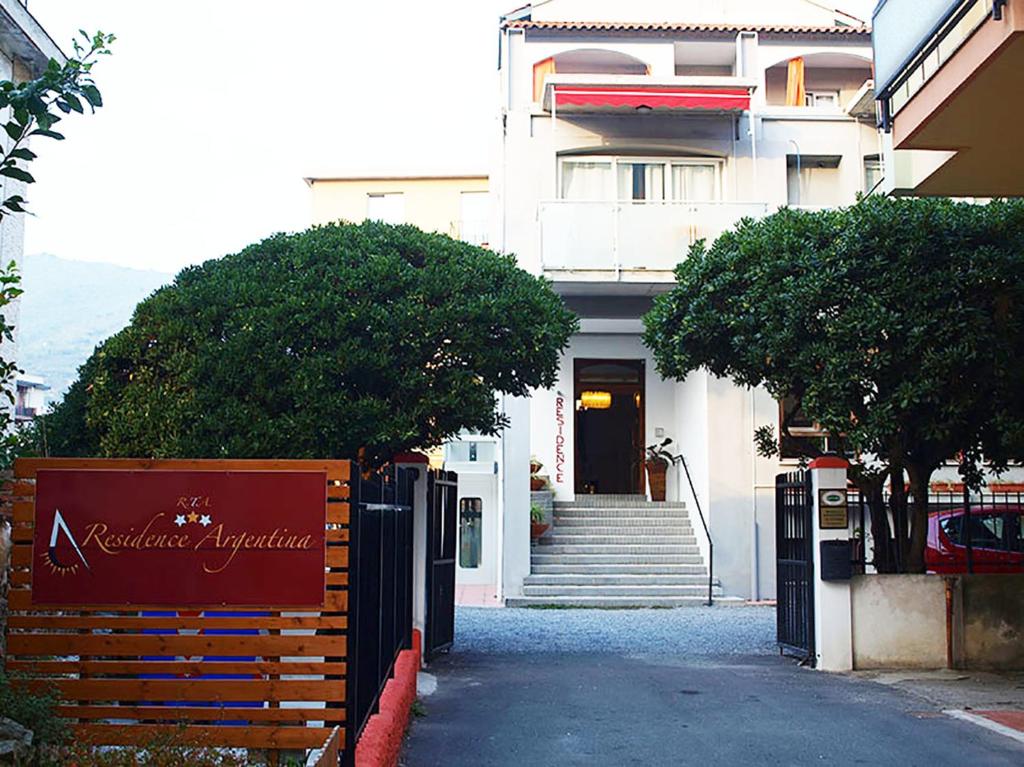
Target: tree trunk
[[898, 506], [920, 483], [881, 534]]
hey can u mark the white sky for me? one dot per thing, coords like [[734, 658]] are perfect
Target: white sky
[[215, 110]]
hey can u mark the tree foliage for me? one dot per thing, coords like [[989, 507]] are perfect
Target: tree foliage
[[341, 340], [34, 108], [896, 324]]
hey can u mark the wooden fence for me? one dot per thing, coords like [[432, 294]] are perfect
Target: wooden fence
[[276, 680]]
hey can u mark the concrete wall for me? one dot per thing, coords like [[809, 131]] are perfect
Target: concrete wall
[[432, 204], [899, 621], [993, 621]]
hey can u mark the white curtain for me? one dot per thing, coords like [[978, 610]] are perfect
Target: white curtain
[[694, 183], [586, 180]]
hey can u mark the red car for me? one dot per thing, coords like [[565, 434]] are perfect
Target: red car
[[997, 539]]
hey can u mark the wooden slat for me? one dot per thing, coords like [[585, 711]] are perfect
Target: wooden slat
[[334, 602], [144, 644], [337, 556], [336, 536], [330, 753], [23, 511], [234, 737], [123, 622], [21, 556], [22, 533], [337, 579], [212, 690], [204, 714], [26, 468], [23, 489], [338, 513], [184, 668], [337, 491]]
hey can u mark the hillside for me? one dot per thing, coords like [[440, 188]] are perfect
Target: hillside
[[69, 307]]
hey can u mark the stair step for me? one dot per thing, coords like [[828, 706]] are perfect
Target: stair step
[[557, 538], [609, 602], [617, 548], [621, 532], [630, 580], [562, 512], [623, 523], [613, 558], [617, 591], [585, 568]]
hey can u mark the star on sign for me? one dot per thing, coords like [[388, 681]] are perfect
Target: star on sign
[[205, 520], [179, 520], [193, 517]]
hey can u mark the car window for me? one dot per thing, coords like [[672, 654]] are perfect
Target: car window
[[1016, 532], [987, 531], [951, 526]]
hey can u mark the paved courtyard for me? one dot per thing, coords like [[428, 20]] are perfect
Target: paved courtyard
[[702, 686]]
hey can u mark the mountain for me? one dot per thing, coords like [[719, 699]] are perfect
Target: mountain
[[71, 306]]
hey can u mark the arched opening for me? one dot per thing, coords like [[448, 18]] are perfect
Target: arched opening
[[588, 61], [822, 80]]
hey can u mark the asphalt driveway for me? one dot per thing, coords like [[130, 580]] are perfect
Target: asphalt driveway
[[576, 691]]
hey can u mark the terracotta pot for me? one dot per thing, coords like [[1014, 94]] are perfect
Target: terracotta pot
[[537, 529], [536, 483], [656, 470]]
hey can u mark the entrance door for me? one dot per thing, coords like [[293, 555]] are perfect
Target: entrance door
[[609, 397]]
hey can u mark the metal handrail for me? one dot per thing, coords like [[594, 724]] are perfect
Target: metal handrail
[[707, 533]]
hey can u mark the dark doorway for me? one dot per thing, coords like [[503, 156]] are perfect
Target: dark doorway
[[609, 397]]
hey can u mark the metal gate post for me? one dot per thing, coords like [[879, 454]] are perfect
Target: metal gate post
[[831, 526]]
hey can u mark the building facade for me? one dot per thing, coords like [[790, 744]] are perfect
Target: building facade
[[627, 133], [457, 205], [948, 72]]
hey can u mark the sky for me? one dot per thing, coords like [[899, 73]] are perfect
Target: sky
[[215, 111]]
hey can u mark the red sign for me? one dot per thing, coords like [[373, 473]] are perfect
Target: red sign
[[179, 538]]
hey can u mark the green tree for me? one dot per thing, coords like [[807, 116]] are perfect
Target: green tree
[[339, 341], [34, 108], [898, 325]]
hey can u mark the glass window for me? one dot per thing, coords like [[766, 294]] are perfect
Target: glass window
[[389, 208], [821, 98], [473, 213], [952, 527], [872, 173], [694, 182], [586, 180], [470, 532], [641, 181], [987, 531]]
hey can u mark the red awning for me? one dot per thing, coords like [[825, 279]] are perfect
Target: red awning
[[613, 97]]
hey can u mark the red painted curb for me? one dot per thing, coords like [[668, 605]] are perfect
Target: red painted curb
[[829, 462], [381, 740]]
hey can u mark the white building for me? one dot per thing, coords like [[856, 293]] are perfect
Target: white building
[[25, 50], [29, 397], [626, 132]]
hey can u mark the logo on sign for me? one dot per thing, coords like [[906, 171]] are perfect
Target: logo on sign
[[833, 498], [53, 558]]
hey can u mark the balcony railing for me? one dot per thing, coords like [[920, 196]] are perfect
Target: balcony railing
[[644, 239]]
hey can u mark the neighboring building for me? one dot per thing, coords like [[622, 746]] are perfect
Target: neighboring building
[[950, 74], [628, 132], [454, 205], [25, 50], [29, 397]]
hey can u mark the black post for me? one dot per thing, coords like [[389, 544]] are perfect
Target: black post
[[969, 528]]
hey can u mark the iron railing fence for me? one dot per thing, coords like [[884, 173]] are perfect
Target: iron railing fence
[[380, 591], [794, 551], [967, 532]]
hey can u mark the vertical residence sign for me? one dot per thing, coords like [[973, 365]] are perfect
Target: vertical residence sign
[[179, 538]]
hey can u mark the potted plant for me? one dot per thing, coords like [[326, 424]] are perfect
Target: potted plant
[[536, 482], [657, 463], [537, 525]]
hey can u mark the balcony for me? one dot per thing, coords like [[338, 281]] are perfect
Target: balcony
[[948, 75], [630, 241]]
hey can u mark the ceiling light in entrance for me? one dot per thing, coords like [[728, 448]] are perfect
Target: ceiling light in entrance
[[596, 400]]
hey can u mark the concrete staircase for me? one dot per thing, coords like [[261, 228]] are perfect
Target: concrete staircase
[[617, 551]]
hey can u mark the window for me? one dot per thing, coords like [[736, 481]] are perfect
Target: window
[[470, 532], [388, 207], [801, 429], [828, 99], [813, 180], [640, 179], [473, 217], [872, 173]]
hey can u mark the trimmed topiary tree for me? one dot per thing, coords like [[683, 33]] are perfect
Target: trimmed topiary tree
[[341, 340]]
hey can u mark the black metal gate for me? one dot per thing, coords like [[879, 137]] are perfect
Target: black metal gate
[[442, 511], [794, 551]]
